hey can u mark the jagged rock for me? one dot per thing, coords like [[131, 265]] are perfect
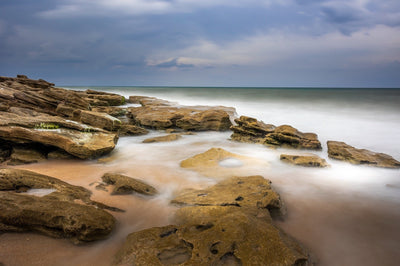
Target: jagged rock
[[166, 138], [218, 232], [127, 185], [219, 163], [132, 130], [344, 152], [100, 120], [21, 155], [27, 126], [248, 129], [160, 114], [249, 191], [111, 99], [309, 160], [53, 217]]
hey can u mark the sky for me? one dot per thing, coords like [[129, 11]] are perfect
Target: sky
[[254, 43]]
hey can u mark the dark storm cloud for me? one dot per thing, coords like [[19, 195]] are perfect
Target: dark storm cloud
[[151, 41]]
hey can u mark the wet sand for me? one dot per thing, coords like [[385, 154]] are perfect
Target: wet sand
[[345, 215]]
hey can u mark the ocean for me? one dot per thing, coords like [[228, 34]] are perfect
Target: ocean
[[345, 214]]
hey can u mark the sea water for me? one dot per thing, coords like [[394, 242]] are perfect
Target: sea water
[[344, 214]]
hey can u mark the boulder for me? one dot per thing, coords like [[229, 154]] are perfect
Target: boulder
[[248, 129], [53, 217], [247, 192], [219, 163], [131, 130], [344, 152], [127, 185], [218, 231], [161, 114], [166, 138], [309, 160], [100, 120], [111, 99]]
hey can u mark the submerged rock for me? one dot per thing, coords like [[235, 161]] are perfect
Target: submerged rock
[[132, 130], [160, 114], [309, 160], [166, 138], [249, 129], [127, 185], [344, 152], [249, 191], [217, 162], [53, 218], [218, 231]]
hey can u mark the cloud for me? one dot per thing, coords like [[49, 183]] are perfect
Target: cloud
[[74, 8], [380, 44]]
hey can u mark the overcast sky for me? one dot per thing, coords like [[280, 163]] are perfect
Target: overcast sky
[[345, 43]]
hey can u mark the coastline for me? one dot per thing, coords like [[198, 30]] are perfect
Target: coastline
[[161, 169]]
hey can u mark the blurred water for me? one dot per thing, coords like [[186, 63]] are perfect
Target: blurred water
[[345, 214]]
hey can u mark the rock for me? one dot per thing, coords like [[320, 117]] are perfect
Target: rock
[[250, 130], [249, 192], [21, 155], [127, 185], [219, 163], [131, 130], [161, 114], [54, 218], [17, 180], [344, 152], [218, 232], [111, 110], [310, 160], [5, 151], [60, 155], [166, 138], [111, 99], [100, 120]]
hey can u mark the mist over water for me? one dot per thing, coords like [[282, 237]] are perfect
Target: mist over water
[[344, 214]]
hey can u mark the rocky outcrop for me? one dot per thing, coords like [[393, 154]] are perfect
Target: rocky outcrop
[[219, 163], [309, 160], [131, 130], [223, 227], [344, 152], [166, 138], [54, 218], [34, 111], [161, 114], [251, 130], [67, 211], [100, 120], [127, 185]]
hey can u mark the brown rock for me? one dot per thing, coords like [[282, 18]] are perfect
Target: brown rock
[[60, 155], [160, 114], [219, 163], [127, 185], [251, 130], [111, 99], [166, 138], [132, 130], [342, 151], [21, 155], [100, 120], [54, 218], [218, 231], [249, 191], [310, 160]]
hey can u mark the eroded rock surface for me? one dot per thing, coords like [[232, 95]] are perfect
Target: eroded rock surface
[[212, 163], [249, 129], [309, 160], [67, 211], [344, 152], [160, 114], [218, 231], [127, 185]]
